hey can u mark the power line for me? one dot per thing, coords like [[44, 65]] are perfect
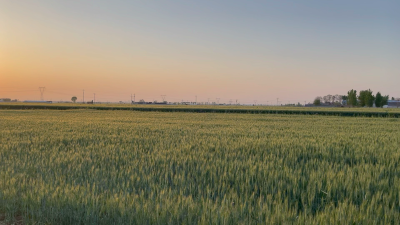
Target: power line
[[57, 93], [41, 89]]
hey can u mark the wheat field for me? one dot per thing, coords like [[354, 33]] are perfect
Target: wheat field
[[128, 167]]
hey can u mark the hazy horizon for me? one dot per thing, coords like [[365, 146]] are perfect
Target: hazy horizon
[[291, 50]]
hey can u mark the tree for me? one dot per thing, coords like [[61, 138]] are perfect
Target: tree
[[385, 100], [317, 101], [378, 100], [327, 98], [74, 99], [352, 97], [333, 98], [338, 98], [361, 98], [366, 98], [370, 99]]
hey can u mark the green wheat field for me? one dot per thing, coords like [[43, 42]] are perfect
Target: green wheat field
[[88, 166]]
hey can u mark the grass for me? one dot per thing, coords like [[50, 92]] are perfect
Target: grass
[[130, 167]]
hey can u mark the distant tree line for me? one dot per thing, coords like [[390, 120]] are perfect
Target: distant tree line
[[364, 99], [329, 100]]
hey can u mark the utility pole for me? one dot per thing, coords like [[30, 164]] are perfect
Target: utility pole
[[196, 99], [83, 96], [255, 102], [94, 98], [134, 100], [236, 101], [41, 89], [131, 98]]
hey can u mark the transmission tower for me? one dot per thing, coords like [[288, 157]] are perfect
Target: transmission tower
[[163, 97], [41, 89]]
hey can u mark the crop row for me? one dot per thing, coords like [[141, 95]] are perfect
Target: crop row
[[245, 110]]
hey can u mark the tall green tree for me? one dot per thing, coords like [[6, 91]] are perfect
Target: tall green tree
[[381, 100], [366, 98], [370, 99], [352, 97], [378, 99]]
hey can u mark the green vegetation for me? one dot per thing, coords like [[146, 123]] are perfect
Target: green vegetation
[[366, 98], [130, 167], [73, 99], [317, 101], [352, 97], [331, 111], [380, 100]]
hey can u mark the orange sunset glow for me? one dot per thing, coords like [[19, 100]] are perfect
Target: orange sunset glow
[[178, 51]]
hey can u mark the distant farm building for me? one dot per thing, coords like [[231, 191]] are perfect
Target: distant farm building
[[393, 104]]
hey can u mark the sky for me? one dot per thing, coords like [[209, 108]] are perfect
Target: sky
[[231, 50]]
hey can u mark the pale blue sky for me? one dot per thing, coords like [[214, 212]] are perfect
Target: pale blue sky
[[246, 50]]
